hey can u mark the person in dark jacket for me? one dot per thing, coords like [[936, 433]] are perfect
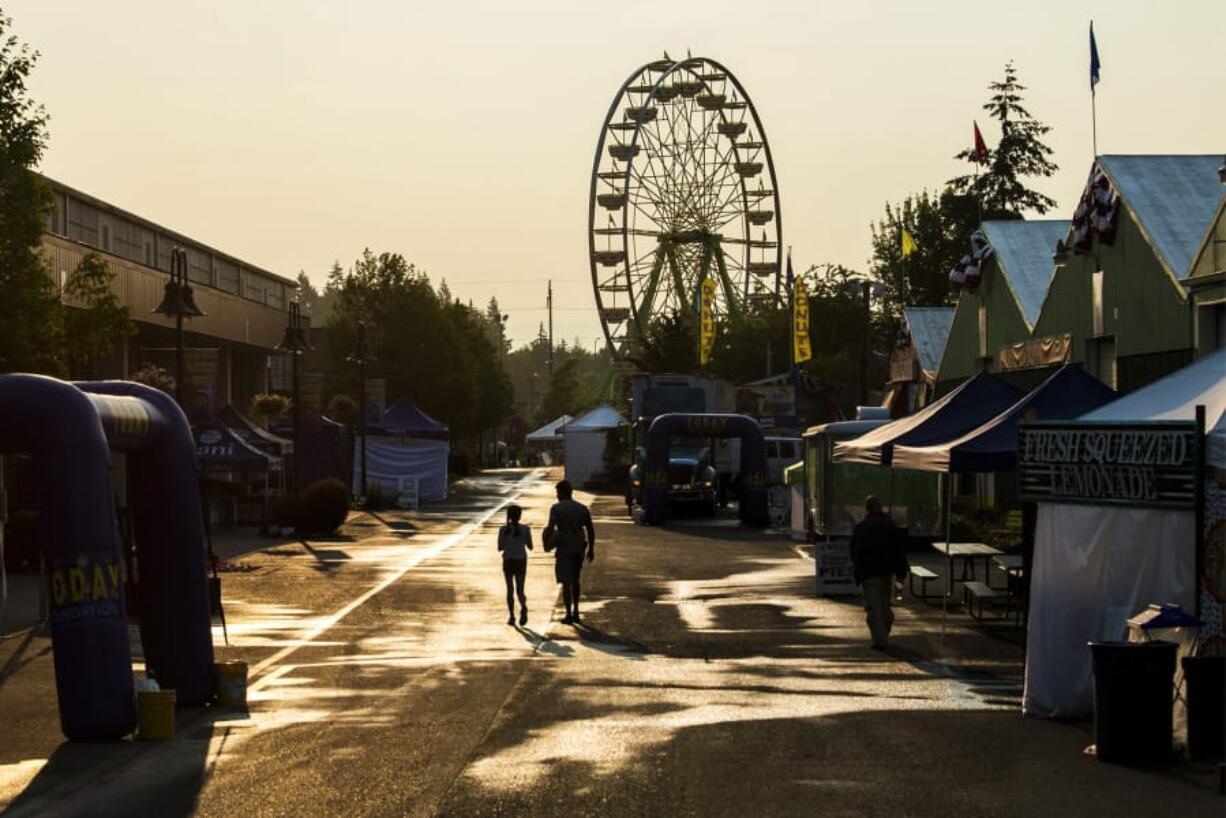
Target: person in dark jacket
[[570, 532], [878, 557]]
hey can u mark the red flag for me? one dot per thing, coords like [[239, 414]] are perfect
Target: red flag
[[981, 147]]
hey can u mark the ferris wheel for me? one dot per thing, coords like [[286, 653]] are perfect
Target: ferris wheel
[[683, 190]]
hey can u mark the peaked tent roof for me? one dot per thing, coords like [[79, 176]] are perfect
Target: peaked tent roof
[[406, 420], [1024, 254], [549, 431], [1069, 392], [1176, 396], [972, 403], [219, 448], [929, 328], [1173, 199], [254, 435], [601, 418]]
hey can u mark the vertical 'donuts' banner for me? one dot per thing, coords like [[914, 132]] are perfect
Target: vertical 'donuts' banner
[[801, 350], [706, 321]]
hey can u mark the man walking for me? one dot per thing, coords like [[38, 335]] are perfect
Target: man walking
[[570, 532], [878, 558]]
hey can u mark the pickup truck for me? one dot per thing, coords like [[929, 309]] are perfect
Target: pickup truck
[[691, 479]]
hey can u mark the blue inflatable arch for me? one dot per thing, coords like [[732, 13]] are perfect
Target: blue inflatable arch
[[71, 429], [752, 488]]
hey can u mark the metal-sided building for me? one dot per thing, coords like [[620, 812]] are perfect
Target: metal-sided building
[[230, 350], [1207, 281], [916, 357], [992, 324], [1119, 297]]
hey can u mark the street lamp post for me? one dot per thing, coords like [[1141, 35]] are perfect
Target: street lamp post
[[361, 356], [865, 289], [178, 303], [295, 343]]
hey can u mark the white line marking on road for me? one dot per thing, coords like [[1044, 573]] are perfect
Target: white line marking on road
[[408, 565]]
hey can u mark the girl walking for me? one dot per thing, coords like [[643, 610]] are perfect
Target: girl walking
[[515, 541]]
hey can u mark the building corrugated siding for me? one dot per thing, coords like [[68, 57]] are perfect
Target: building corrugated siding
[[141, 288]]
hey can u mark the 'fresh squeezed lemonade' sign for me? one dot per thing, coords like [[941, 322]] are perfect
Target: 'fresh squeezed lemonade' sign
[[1137, 464]]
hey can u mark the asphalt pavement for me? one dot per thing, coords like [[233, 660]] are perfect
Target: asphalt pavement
[[704, 679]]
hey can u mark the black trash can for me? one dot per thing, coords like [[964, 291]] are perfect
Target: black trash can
[[1205, 677], [1133, 700]]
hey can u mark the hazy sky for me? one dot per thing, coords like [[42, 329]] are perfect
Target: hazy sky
[[461, 134]]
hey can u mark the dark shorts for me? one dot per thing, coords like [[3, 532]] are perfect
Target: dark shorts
[[515, 568], [568, 567]]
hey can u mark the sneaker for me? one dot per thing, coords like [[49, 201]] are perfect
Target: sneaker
[[511, 619], [566, 620], [523, 616]]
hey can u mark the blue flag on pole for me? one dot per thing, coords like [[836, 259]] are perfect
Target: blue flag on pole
[[1095, 64]]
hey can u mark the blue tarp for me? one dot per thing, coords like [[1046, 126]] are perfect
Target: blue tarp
[[971, 404], [992, 447], [403, 419]]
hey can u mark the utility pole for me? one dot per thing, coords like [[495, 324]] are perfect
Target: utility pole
[[549, 307]]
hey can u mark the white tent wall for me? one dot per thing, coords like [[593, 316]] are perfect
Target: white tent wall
[[390, 458], [1094, 567], [584, 455]]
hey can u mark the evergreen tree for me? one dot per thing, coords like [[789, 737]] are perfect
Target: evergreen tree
[[1020, 155], [941, 227], [31, 316], [95, 322]]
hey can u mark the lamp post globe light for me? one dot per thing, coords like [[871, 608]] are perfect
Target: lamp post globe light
[[178, 303], [295, 343], [361, 356]]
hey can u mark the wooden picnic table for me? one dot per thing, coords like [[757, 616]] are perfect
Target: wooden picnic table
[[967, 552]]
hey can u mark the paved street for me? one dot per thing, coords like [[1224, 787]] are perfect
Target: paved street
[[706, 680]]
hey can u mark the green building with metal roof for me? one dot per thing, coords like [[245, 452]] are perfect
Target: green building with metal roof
[[1109, 288], [1001, 311]]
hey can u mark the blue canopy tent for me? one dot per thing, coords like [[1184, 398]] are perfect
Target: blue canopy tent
[[965, 408], [406, 443], [403, 419], [992, 447]]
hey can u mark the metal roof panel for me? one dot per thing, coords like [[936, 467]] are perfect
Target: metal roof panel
[[1174, 197]]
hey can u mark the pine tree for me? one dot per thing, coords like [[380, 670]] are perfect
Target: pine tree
[[31, 316], [1020, 155]]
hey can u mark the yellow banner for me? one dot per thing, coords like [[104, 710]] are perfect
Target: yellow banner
[[801, 351], [706, 321]]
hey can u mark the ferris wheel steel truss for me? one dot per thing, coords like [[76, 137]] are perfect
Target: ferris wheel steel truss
[[672, 198]]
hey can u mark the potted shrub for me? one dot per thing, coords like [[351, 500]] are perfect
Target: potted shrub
[[325, 505]]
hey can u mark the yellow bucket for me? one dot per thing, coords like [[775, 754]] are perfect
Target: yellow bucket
[[156, 709], [230, 682]]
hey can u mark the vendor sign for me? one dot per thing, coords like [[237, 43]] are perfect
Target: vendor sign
[[836, 576], [1136, 464]]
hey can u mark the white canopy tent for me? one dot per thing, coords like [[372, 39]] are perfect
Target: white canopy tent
[[587, 439], [551, 432], [1095, 566]]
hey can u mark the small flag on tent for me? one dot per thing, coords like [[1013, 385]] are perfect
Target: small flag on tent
[[706, 320], [1095, 63], [981, 147], [908, 243]]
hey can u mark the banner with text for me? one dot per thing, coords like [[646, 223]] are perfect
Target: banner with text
[[801, 350], [1136, 464], [706, 321]]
